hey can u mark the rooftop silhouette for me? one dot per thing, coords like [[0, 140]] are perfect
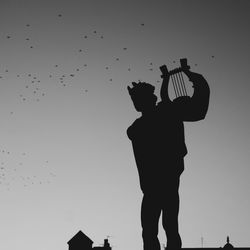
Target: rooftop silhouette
[[80, 241]]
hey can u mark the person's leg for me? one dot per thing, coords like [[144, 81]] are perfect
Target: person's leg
[[150, 213], [170, 217], [171, 210]]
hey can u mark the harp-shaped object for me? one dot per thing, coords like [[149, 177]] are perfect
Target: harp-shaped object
[[177, 79]]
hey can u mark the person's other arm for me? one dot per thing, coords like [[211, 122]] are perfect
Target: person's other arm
[[196, 107]]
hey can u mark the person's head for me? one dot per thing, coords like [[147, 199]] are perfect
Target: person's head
[[142, 95]]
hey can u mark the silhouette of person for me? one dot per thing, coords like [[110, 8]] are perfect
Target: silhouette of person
[[159, 148]]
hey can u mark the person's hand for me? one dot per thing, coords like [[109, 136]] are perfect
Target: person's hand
[[192, 76], [164, 71]]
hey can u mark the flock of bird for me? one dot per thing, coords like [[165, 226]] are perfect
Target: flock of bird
[[63, 79]]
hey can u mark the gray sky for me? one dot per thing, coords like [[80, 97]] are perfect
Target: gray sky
[[66, 163]]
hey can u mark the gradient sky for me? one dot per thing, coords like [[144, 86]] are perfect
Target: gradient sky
[[66, 163]]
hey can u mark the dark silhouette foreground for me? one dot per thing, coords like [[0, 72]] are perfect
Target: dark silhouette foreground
[[159, 148]]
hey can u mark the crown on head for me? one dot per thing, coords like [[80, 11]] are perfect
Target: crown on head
[[141, 88]]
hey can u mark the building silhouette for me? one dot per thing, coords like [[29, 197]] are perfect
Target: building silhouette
[[80, 241]]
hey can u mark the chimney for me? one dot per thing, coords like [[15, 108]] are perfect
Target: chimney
[[106, 244]]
